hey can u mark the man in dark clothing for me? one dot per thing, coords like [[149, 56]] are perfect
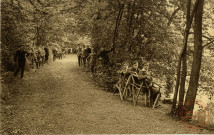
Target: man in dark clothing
[[88, 50], [54, 54], [46, 54], [85, 54], [104, 55], [38, 59], [20, 59]]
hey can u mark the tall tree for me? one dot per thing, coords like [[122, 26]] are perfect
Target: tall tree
[[182, 57], [196, 64]]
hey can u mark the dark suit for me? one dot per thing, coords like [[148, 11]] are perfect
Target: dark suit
[[20, 58]]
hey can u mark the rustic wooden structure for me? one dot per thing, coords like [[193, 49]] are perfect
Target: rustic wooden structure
[[131, 84]]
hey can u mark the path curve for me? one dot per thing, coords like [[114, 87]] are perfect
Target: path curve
[[60, 98]]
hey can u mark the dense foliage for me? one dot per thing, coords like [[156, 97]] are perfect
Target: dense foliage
[[147, 31]]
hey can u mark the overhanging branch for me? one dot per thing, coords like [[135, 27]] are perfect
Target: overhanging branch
[[173, 15], [211, 42], [204, 36]]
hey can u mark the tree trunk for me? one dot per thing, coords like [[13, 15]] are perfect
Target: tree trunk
[[196, 65], [182, 56], [183, 80], [119, 16], [189, 19], [129, 35]]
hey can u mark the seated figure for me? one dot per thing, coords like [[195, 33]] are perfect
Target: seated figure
[[133, 68]]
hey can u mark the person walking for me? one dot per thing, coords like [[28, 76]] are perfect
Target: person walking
[[20, 60]]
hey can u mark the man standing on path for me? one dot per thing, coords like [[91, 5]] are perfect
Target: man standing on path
[[79, 55], [92, 61], [20, 60], [46, 54]]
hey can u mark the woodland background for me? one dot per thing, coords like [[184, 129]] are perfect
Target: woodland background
[[175, 37]]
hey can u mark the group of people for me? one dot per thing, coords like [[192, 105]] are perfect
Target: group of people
[[86, 57], [144, 74], [57, 54], [39, 57]]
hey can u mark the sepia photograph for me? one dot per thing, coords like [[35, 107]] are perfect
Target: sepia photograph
[[107, 67]]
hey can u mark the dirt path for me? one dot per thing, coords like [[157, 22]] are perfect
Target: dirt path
[[60, 98]]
